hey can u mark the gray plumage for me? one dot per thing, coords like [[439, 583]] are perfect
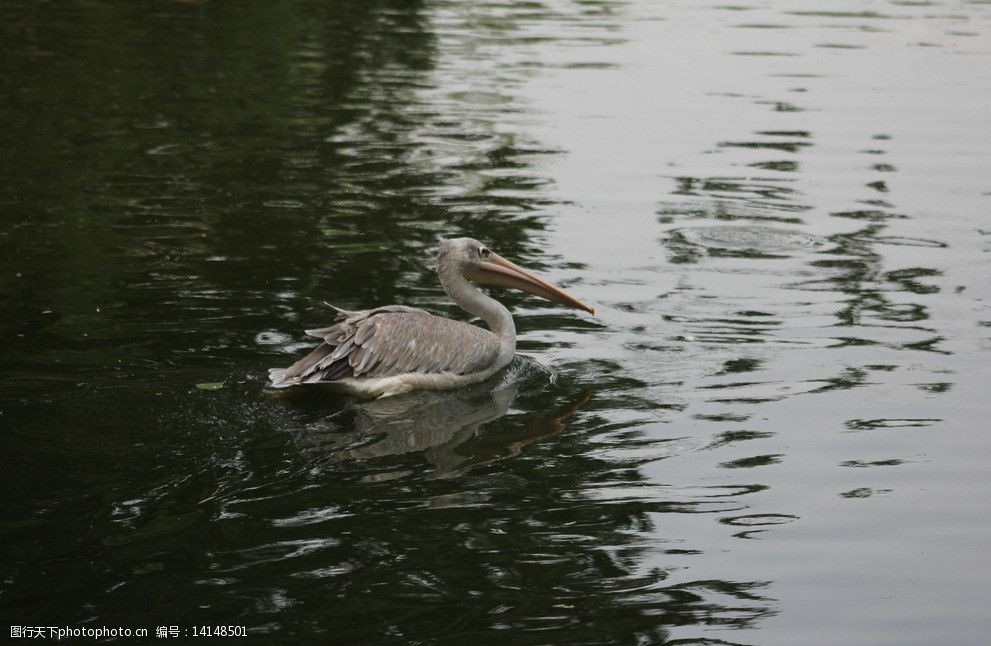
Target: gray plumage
[[391, 350], [390, 341]]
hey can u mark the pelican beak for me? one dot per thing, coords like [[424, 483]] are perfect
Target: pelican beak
[[496, 270]]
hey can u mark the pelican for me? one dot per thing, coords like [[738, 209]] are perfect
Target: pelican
[[395, 349]]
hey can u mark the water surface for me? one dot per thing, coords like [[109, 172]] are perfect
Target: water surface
[[772, 432]]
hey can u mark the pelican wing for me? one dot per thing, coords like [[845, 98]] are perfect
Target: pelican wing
[[390, 341]]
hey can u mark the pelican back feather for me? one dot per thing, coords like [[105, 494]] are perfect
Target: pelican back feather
[[390, 341]]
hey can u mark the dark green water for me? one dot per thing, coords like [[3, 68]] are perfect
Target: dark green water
[[773, 432]]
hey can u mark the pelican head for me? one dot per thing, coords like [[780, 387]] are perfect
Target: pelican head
[[476, 262]]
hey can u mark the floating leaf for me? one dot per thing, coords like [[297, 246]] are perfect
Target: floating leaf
[[211, 385]]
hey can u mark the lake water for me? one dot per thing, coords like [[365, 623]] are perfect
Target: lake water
[[773, 431]]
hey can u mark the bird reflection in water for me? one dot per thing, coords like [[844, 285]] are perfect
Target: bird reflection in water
[[441, 426]]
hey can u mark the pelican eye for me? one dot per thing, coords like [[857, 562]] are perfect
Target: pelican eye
[[483, 252]]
